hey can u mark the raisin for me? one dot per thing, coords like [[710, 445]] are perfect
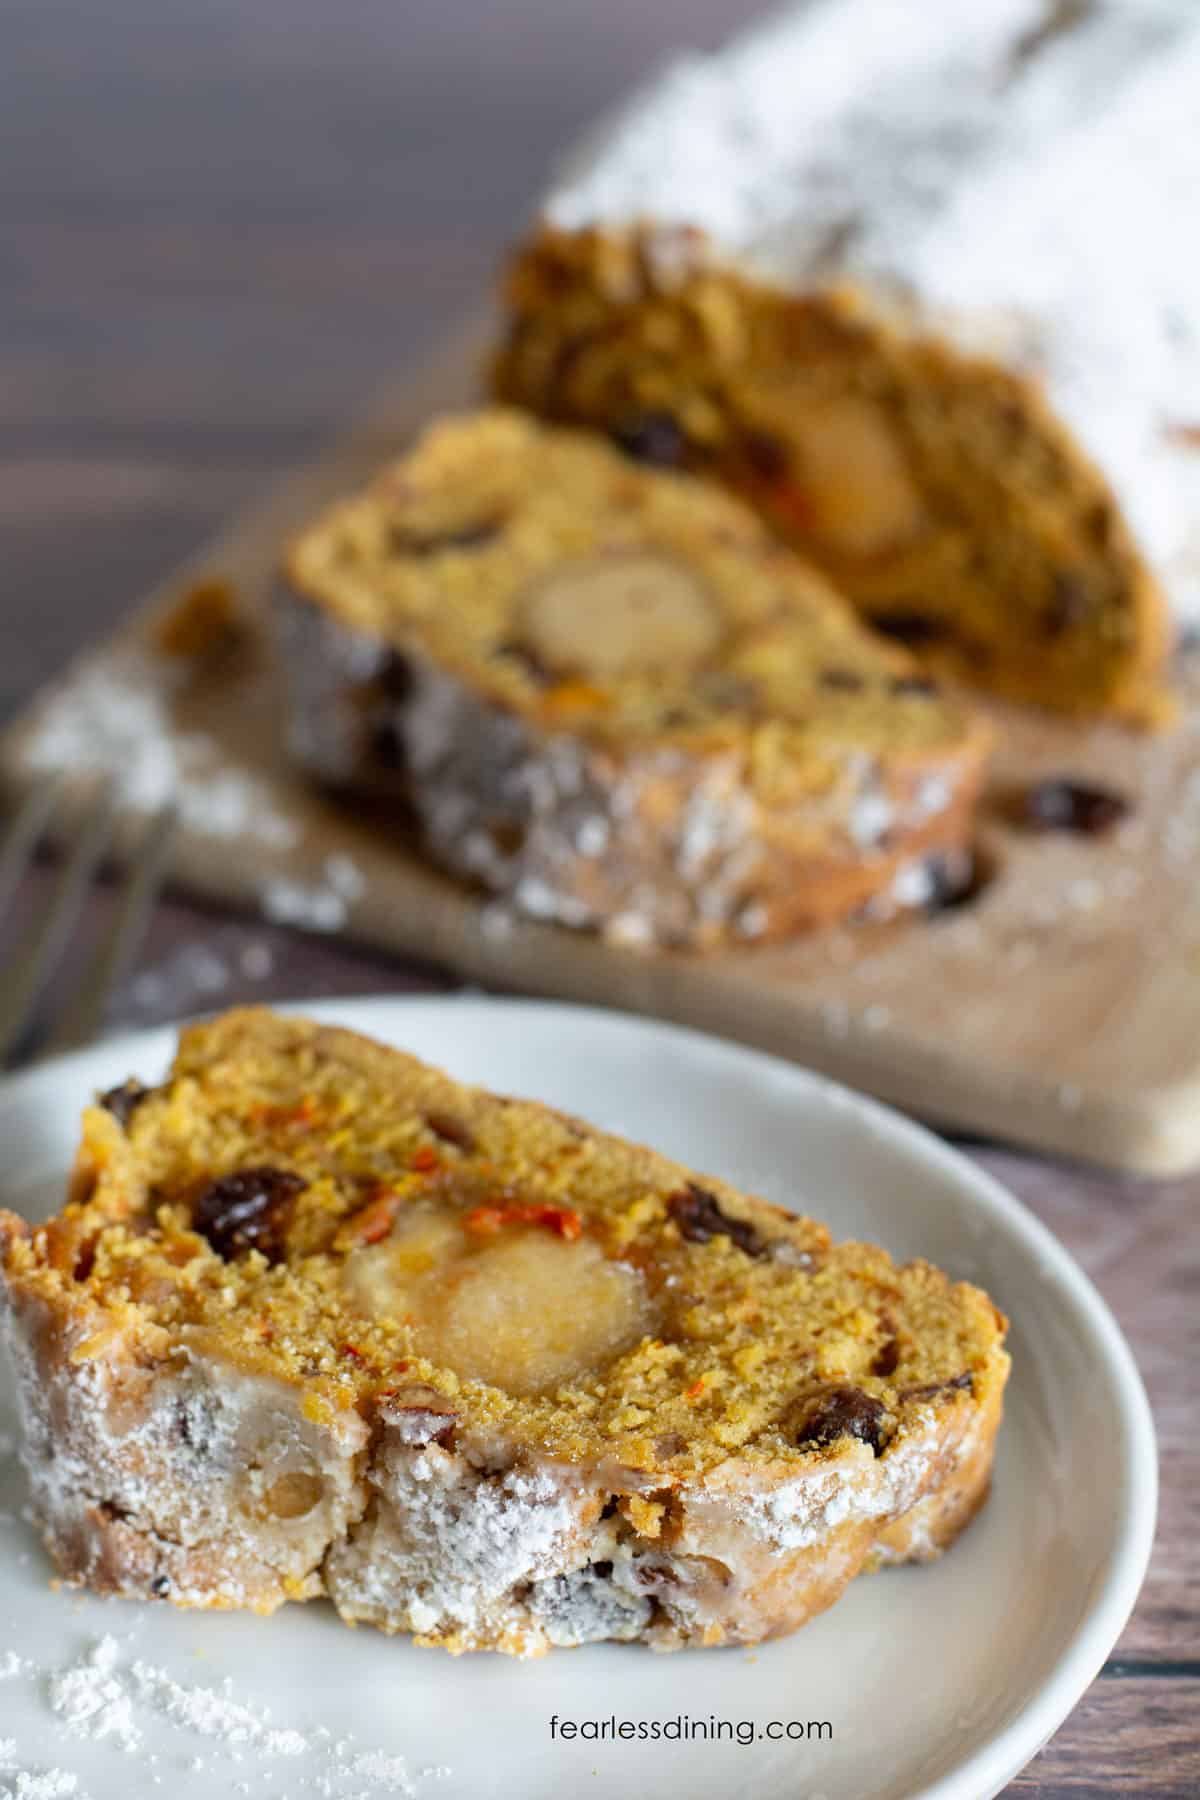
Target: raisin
[[910, 627], [844, 1412], [699, 1218], [1068, 603], [765, 455], [123, 1101], [888, 1358], [913, 684], [160, 1587], [451, 1130], [471, 536], [248, 1210], [652, 437], [1063, 805], [844, 681]]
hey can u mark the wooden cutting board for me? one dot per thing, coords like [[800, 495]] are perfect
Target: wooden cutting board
[[1059, 1008]]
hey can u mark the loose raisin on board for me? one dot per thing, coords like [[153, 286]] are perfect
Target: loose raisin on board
[[844, 1412], [1063, 805], [248, 1210], [699, 1217]]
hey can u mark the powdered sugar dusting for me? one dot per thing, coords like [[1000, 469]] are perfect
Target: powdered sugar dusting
[[212, 1712], [1022, 184], [113, 717], [102, 1699], [92, 1699], [322, 905]]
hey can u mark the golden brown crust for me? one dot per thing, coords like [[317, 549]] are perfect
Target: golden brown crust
[[935, 487]]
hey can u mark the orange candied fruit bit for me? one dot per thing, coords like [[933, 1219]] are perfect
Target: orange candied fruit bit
[[567, 697], [486, 1221], [371, 1222], [425, 1159], [303, 1112]]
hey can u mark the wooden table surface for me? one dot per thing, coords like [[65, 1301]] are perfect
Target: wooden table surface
[[218, 225]]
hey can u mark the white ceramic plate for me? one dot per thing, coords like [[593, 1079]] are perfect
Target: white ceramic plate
[[940, 1681]]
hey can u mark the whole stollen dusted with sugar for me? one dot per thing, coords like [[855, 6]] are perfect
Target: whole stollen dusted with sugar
[[317, 1320], [917, 281], [606, 693]]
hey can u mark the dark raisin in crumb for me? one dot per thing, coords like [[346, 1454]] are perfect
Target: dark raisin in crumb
[[602, 1569], [1068, 604], [842, 680], [699, 1218], [910, 627], [123, 1101], [1063, 805], [160, 1587], [451, 1130], [248, 1210], [652, 437], [844, 1412], [888, 1359], [765, 455]]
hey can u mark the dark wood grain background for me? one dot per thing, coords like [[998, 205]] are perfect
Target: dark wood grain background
[[219, 225]]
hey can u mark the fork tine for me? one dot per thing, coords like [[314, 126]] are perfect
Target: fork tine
[[35, 960], [84, 1014], [24, 834]]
